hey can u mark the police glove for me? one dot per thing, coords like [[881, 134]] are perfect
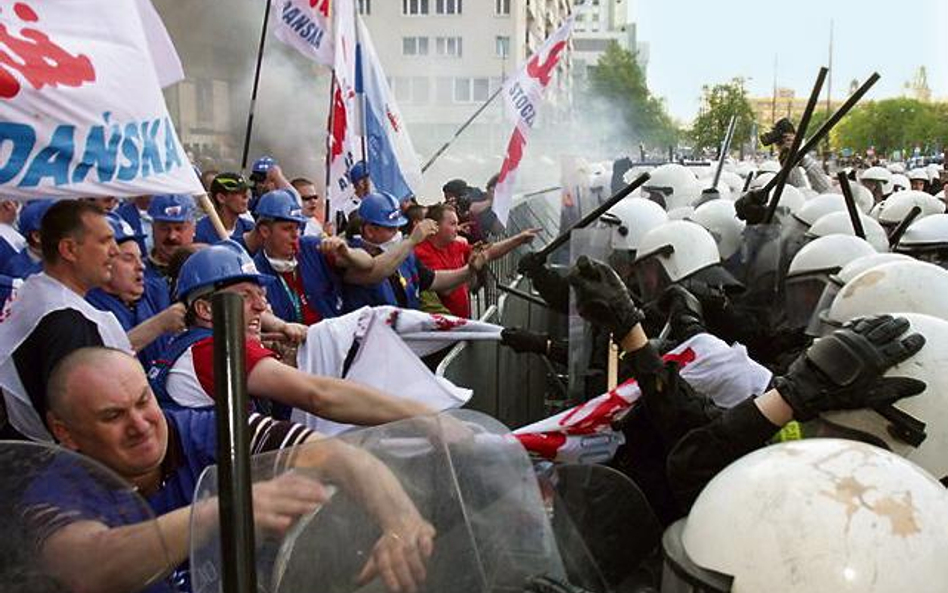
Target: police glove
[[843, 371], [521, 340], [683, 311], [601, 297], [752, 206], [530, 264]]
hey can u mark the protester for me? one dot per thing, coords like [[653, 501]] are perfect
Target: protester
[[230, 196], [314, 208], [11, 241], [29, 259], [134, 211], [173, 227]]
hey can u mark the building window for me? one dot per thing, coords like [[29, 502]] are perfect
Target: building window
[[467, 90], [444, 90], [204, 98], [502, 46], [448, 46], [448, 6], [365, 6], [502, 7], [414, 7], [414, 46]]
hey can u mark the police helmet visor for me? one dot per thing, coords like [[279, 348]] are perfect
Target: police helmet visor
[[816, 326], [936, 254], [803, 295], [658, 194], [680, 574], [651, 278]]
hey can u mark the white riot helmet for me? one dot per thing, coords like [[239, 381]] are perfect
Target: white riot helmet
[[675, 251], [909, 286], [810, 272], [927, 239], [863, 197], [636, 217], [817, 207], [891, 211], [918, 430], [838, 280], [672, 186], [839, 223], [815, 515], [791, 198], [900, 182], [733, 182], [919, 174], [769, 166], [895, 168], [880, 174], [760, 180], [682, 213], [719, 218]]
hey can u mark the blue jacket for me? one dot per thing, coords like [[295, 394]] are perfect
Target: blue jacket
[[322, 286], [21, 265], [129, 317], [356, 296], [128, 211], [204, 231]]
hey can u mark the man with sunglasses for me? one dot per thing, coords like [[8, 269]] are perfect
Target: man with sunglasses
[[314, 208], [231, 198]]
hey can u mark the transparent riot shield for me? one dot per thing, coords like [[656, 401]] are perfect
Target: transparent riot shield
[[607, 533], [594, 242], [471, 482], [47, 495]]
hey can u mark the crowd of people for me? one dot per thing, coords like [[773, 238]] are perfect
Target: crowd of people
[[106, 349]]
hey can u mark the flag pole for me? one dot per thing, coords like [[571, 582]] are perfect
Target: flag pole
[[463, 127], [332, 100], [360, 83], [256, 85]]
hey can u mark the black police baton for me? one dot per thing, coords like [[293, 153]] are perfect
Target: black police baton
[[592, 216], [898, 231], [851, 205]]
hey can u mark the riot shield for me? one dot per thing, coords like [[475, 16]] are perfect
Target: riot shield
[[607, 533], [586, 363], [464, 475], [46, 493]]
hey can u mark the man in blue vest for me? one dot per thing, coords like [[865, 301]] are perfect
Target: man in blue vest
[[136, 301], [381, 218], [230, 194], [185, 378], [101, 406], [305, 274], [29, 260]]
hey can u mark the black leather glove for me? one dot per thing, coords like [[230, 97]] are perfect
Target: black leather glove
[[752, 206], [683, 311], [602, 298], [521, 340], [843, 371], [530, 263]]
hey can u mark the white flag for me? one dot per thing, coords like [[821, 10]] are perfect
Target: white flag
[[305, 26], [522, 97], [81, 109], [342, 131]]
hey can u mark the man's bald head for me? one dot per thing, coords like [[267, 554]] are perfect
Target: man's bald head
[[76, 368]]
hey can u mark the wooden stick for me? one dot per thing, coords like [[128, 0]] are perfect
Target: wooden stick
[[205, 202]]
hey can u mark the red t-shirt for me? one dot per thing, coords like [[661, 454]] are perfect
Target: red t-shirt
[[452, 257], [191, 378]]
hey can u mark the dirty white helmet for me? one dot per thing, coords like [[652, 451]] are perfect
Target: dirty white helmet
[[810, 271], [792, 198], [769, 166], [719, 218], [814, 515], [839, 223], [929, 407], [838, 280], [896, 207], [909, 286], [816, 208], [927, 234], [673, 252], [672, 186], [761, 179], [900, 182], [880, 174], [637, 216]]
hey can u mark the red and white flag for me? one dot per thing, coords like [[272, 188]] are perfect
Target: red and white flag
[[305, 25], [522, 97], [343, 117]]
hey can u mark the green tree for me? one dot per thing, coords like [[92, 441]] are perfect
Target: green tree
[[719, 103], [893, 124], [618, 80]]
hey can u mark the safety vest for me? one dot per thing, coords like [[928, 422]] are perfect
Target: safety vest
[[321, 284], [384, 293], [161, 368]]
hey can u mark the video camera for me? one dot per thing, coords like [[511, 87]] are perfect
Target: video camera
[[776, 133]]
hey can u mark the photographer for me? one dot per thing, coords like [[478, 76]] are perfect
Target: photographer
[[782, 135]]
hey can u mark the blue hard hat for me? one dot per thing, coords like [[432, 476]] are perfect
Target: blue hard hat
[[382, 209], [263, 164], [31, 215], [358, 171], [223, 262], [280, 204], [121, 229], [172, 208]]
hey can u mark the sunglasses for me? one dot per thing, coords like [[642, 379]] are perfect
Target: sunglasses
[[308, 198], [231, 183]]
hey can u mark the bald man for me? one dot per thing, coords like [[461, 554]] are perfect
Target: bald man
[[100, 405]]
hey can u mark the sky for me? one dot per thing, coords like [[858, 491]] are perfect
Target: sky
[[697, 42]]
